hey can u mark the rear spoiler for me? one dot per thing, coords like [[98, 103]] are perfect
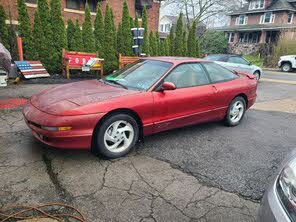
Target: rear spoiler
[[250, 76]]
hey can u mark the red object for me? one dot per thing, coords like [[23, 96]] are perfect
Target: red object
[[76, 59], [20, 48], [168, 86], [82, 105], [11, 103]]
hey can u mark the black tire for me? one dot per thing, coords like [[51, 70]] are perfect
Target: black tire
[[258, 75], [286, 67], [228, 120], [99, 147]]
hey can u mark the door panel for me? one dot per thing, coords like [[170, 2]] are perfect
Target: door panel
[[183, 107]]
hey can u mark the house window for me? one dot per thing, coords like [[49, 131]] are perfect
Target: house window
[[167, 27], [162, 28], [31, 1], [230, 37], [249, 37], [268, 17], [242, 20], [256, 4], [290, 18], [93, 5], [139, 12], [73, 4]]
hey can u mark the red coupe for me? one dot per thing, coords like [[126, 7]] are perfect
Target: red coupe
[[155, 94]]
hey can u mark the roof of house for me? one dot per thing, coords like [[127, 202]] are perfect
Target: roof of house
[[276, 5]]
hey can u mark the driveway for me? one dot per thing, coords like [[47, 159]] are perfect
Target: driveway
[[199, 173]]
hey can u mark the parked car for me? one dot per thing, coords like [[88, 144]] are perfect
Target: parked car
[[287, 63], [151, 95], [279, 201], [236, 63]]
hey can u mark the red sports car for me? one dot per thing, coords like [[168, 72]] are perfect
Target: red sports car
[[155, 94]]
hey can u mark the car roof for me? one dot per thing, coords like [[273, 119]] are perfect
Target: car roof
[[175, 60]]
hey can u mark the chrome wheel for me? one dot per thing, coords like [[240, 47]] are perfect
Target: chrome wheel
[[237, 111], [119, 136]]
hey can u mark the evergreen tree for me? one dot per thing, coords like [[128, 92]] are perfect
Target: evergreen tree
[[172, 42], [157, 44], [78, 41], [25, 30], [184, 45], [119, 38], [109, 51], [179, 37], [43, 35], [191, 42], [4, 33], [113, 27], [162, 48], [145, 47], [126, 31], [152, 44], [136, 23], [59, 35], [70, 34], [167, 47], [99, 29], [197, 49], [87, 32]]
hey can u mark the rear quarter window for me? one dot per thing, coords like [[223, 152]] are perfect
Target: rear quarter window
[[218, 73]]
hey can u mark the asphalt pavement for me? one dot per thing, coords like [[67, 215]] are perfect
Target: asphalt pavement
[[206, 172]]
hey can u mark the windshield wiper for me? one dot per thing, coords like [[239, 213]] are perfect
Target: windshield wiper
[[116, 82]]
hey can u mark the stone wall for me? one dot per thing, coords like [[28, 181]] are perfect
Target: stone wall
[[244, 48]]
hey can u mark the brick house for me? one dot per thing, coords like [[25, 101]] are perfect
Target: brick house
[[74, 9], [260, 22]]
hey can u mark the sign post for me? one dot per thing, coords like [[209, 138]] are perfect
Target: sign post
[[138, 37]]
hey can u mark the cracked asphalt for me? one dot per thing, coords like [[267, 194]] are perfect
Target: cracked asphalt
[[199, 173]]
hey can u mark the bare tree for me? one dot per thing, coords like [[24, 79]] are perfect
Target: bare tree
[[202, 10]]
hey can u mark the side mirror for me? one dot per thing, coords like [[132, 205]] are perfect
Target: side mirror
[[168, 86]]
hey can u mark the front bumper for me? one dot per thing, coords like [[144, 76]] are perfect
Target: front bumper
[[79, 137], [280, 64], [271, 209]]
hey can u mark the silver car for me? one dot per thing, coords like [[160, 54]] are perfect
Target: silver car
[[279, 201], [236, 63]]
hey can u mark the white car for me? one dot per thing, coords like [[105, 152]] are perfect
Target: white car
[[236, 63], [287, 63]]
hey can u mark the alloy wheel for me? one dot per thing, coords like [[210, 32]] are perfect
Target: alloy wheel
[[236, 111], [119, 136]]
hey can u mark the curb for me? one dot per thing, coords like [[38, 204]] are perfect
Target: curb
[[271, 69]]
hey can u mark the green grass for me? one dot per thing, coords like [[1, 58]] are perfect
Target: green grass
[[255, 60]]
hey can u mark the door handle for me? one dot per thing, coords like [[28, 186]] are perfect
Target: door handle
[[215, 89]]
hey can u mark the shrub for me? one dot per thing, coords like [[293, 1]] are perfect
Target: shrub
[[4, 38], [87, 32], [213, 42], [285, 46]]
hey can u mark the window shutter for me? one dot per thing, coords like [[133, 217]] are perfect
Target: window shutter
[[246, 20], [237, 21]]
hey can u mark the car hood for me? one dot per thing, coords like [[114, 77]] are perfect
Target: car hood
[[288, 57], [70, 96]]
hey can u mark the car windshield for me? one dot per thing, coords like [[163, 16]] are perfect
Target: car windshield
[[140, 75], [215, 58]]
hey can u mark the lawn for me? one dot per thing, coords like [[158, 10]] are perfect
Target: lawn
[[255, 59]]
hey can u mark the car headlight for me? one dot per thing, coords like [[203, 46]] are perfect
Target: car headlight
[[287, 189]]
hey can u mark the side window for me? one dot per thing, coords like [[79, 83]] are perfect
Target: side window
[[218, 73], [238, 60], [188, 75]]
